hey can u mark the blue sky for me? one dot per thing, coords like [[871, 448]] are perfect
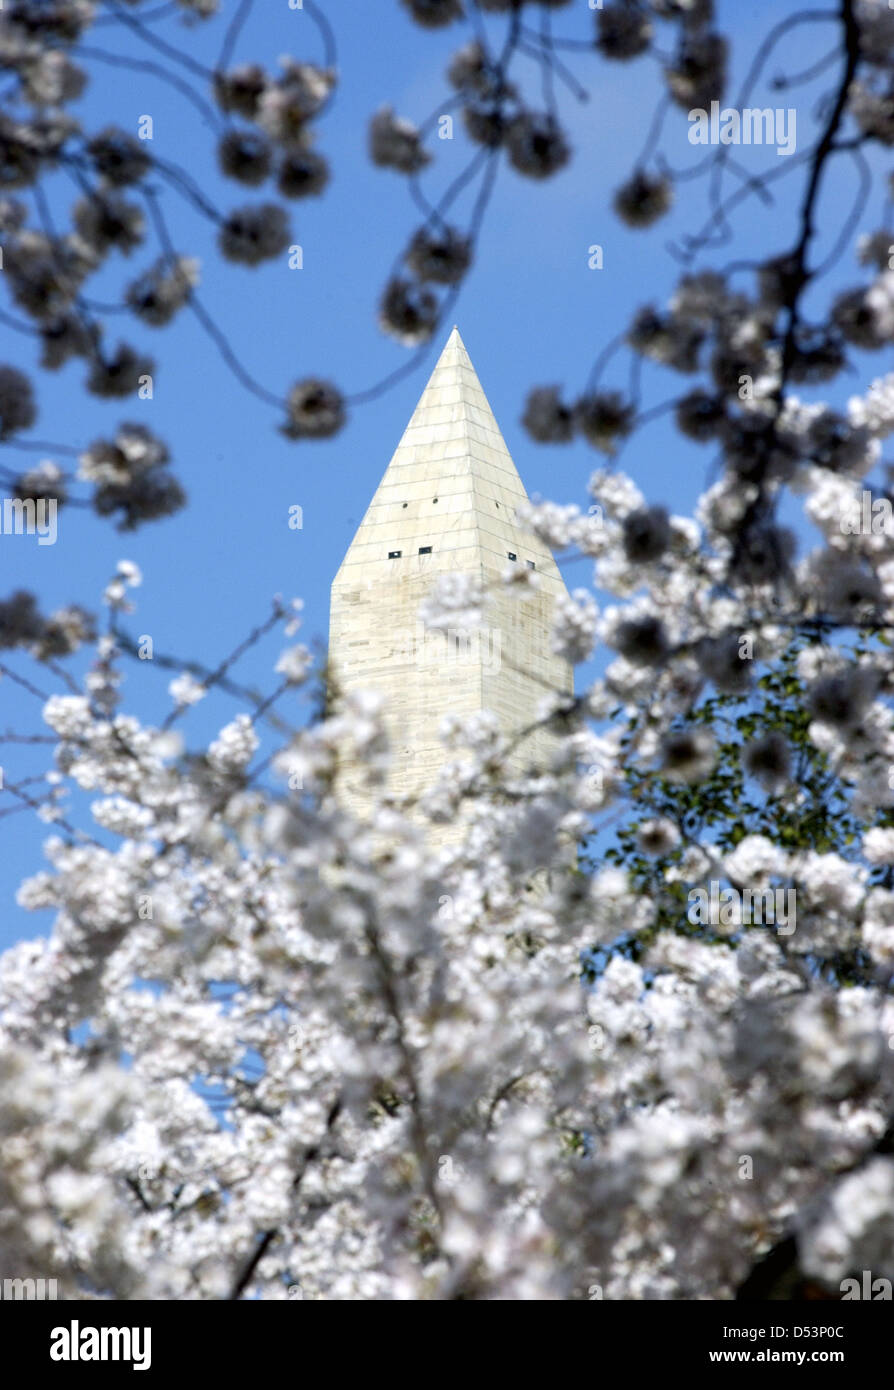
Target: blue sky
[[530, 312]]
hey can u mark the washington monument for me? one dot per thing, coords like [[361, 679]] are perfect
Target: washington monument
[[446, 505]]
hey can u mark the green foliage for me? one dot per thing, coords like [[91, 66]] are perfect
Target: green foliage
[[812, 811]]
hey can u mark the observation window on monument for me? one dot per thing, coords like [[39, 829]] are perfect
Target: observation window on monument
[[530, 564], [512, 555], [394, 554], [425, 550]]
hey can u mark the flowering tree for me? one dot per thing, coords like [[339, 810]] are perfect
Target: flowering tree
[[269, 1052]]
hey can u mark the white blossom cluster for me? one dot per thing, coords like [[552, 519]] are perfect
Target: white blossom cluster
[[261, 1029]]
